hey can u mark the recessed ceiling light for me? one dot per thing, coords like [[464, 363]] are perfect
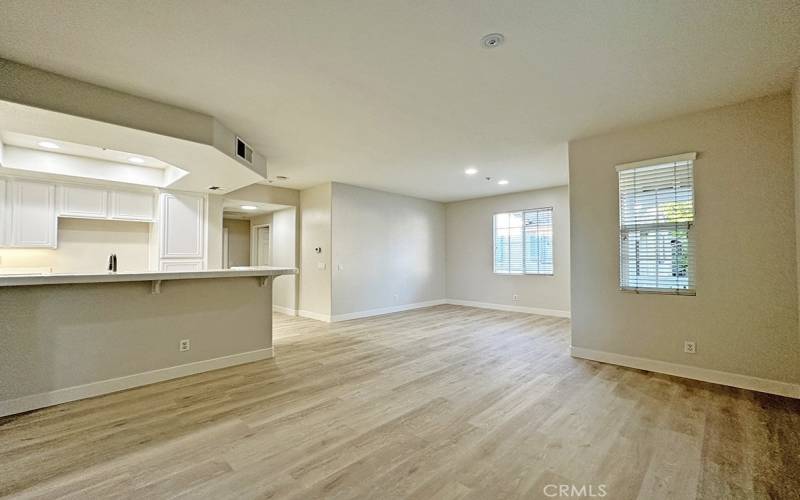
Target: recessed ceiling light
[[136, 159], [502, 182], [49, 145], [471, 171], [248, 207]]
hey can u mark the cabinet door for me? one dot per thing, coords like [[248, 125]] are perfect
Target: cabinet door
[[33, 214], [181, 265], [182, 223], [5, 213], [83, 202], [131, 205]]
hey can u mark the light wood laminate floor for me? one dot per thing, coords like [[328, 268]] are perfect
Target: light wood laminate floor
[[444, 402]]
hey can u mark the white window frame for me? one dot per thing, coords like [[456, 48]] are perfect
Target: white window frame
[[691, 235], [494, 241]]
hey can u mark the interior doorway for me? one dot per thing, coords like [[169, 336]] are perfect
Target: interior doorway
[[261, 237]]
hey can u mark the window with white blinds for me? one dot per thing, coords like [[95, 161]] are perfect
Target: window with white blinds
[[523, 242], [656, 219]]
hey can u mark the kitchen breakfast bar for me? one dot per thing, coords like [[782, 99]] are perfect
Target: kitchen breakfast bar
[[65, 337]]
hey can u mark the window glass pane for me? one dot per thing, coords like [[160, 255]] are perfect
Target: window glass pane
[[656, 216], [501, 250], [516, 249], [539, 241], [523, 242]]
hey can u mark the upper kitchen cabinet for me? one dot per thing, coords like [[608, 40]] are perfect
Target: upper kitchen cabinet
[[182, 226], [33, 214], [83, 202], [132, 205]]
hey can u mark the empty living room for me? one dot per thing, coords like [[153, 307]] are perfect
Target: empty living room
[[393, 249]]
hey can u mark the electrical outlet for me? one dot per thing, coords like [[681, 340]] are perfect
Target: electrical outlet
[[515, 297], [185, 345], [689, 347]]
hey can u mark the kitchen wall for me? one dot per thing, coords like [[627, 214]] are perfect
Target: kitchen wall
[[470, 274], [84, 246], [745, 315], [238, 241], [214, 231], [388, 250], [315, 268], [284, 254]]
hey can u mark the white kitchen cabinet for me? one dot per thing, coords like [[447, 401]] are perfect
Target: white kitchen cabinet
[[182, 226], [181, 265], [33, 214], [83, 202], [132, 205]]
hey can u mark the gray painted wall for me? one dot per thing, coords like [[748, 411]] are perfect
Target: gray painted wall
[[391, 249], [58, 336], [745, 315], [470, 273], [238, 241]]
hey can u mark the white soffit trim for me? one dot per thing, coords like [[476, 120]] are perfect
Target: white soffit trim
[[656, 161]]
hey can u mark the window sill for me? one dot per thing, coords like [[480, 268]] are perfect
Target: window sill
[[499, 273], [660, 291]]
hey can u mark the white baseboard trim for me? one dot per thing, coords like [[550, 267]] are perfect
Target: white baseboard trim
[[284, 310], [693, 372], [502, 307], [387, 310], [41, 400], [312, 315]]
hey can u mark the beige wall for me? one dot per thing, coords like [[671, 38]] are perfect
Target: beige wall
[[796, 155], [238, 241], [84, 246], [58, 336], [470, 275], [315, 269], [745, 315], [391, 250], [284, 254]]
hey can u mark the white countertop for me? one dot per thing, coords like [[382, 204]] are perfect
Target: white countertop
[[108, 277]]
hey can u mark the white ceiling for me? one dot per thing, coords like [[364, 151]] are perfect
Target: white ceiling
[[399, 95]]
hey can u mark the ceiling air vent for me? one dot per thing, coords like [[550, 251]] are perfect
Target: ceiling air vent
[[243, 151]]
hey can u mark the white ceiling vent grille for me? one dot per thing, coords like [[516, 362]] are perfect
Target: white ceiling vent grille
[[243, 151]]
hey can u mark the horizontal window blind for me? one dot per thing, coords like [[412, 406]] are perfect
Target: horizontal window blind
[[656, 218], [523, 242]]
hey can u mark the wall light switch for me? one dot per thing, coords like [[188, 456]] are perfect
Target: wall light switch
[[321, 265], [340, 267]]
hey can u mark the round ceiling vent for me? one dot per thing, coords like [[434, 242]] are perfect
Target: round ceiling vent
[[492, 40]]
